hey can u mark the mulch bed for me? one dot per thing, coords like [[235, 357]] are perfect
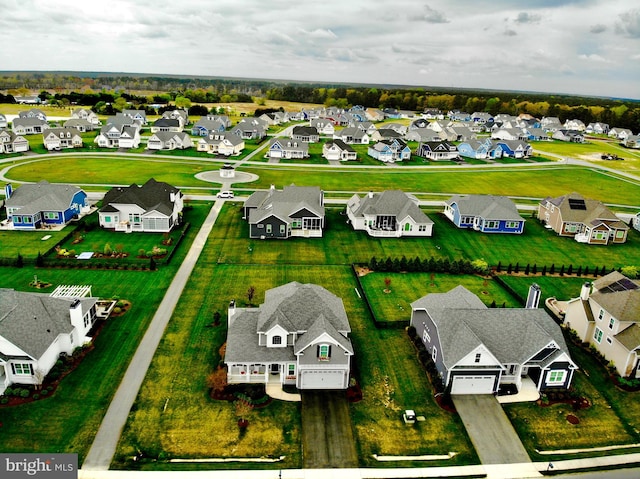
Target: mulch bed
[[445, 402], [573, 419]]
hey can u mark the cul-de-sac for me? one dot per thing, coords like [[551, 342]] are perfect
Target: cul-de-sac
[[444, 285]]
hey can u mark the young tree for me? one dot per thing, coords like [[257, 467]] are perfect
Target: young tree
[[217, 380], [250, 293], [387, 284]]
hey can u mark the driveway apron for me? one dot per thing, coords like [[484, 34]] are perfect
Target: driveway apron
[[490, 430], [327, 434]]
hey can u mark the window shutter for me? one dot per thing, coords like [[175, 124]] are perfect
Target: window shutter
[[329, 353], [13, 368], [317, 352], [31, 368]]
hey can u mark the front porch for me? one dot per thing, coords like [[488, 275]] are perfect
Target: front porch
[[527, 392]]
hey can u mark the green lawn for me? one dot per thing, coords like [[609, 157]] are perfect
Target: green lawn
[[592, 150], [67, 421], [405, 288], [29, 243], [537, 181]]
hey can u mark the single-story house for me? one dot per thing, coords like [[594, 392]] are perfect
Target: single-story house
[[28, 126], [79, 124], [587, 220], [166, 124], [437, 150], [607, 315], [154, 207], [283, 148], [36, 329], [477, 349], [391, 213], [42, 204], [338, 150], [169, 140], [308, 134], [485, 213], [299, 336], [352, 136], [295, 211], [204, 127]]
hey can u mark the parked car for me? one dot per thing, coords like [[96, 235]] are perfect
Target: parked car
[[225, 194]]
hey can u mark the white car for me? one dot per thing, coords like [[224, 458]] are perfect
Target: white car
[[225, 194]]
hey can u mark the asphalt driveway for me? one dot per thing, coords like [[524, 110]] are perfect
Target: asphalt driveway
[[327, 434], [490, 430]]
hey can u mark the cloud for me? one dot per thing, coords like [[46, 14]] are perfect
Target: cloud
[[509, 33], [320, 33], [594, 57], [351, 55], [524, 17], [395, 48], [598, 28], [432, 16], [629, 24]]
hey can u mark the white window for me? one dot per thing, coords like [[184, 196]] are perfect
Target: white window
[[434, 354], [283, 229], [556, 377], [22, 369], [612, 322], [422, 228], [478, 357], [269, 229], [276, 340], [601, 314], [425, 337], [324, 352], [597, 335], [512, 224]]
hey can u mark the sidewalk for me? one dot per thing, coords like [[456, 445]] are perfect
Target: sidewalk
[[104, 445]]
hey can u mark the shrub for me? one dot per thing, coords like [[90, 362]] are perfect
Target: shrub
[[8, 392], [24, 393], [411, 331], [4, 400], [44, 392], [36, 396], [117, 310]]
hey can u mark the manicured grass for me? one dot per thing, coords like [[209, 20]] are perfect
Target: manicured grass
[[406, 288], [189, 345], [535, 181], [67, 421], [592, 151], [29, 243], [561, 287]]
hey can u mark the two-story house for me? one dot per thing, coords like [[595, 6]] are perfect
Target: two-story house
[[298, 336]]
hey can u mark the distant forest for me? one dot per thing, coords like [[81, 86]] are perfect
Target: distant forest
[[103, 90]]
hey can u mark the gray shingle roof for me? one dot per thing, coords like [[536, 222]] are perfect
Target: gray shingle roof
[[512, 335], [623, 305], [488, 207], [284, 203], [42, 196], [32, 321], [595, 211], [391, 202]]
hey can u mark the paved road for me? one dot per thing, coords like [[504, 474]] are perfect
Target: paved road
[[489, 429], [327, 434], [104, 445]]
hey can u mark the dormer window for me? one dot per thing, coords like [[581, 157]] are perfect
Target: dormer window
[[324, 352], [276, 340], [478, 356]]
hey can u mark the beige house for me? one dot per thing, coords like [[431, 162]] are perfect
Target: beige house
[[606, 316], [587, 220]]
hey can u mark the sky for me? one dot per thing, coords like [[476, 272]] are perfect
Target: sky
[[583, 47]]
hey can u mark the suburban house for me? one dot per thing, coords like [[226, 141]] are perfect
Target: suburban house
[[587, 220], [437, 150], [619, 133], [298, 336], [36, 328], [572, 136], [386, 134], [283, 148], [323, 126], [391, 213], [166, 124], [224, 119], [476, 149], [390, 151], [295, 211], [42, 205], [139, 116], [61, 138], [597, 128], [308, 134], [85, 114], [338, 150], [204, 127], [636, 221], [221, 144], [3, 121], [575, 124], [114, 135], [168, 140], [154, 207], [607, 315], [477, 349], [12, 143], [374, 114], [352, 135], [422, 135], [79, 124], [33, 113], [513, 149], [28, 126], [178, 114], [250, 129], [485, 213]]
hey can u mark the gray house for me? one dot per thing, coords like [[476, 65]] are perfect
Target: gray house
[[294, 211], [478, 349], [298, 336], [390, 214]]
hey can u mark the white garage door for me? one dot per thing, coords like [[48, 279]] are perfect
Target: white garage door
[[325, 379], [472, 384]]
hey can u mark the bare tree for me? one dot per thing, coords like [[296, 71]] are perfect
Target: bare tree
[[250, 293]]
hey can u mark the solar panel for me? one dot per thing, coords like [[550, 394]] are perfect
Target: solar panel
[[621, 285], [576, 204]]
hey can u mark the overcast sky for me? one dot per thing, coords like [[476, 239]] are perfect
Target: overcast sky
[[586, 47]]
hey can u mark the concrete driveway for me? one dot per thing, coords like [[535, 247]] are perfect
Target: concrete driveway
[[327, 434], [490, 430]]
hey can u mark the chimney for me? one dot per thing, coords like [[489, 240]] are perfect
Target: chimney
[[231, 312], [585, 291], [371, 194], [533, 299], [272, 187]]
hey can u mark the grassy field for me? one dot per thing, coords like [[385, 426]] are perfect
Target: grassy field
[[535, 181], [67, 421], [592, 151], [29, 243]]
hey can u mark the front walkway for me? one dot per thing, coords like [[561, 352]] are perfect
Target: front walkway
[[275, 391]]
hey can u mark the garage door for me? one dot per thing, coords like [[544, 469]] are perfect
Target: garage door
[[325, 379], [472, 384]]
